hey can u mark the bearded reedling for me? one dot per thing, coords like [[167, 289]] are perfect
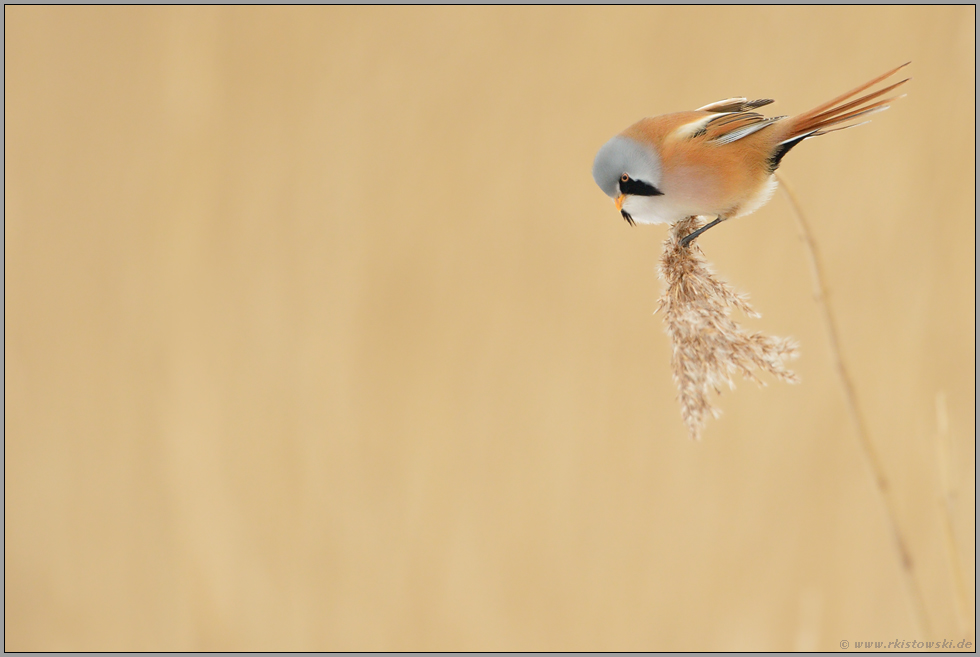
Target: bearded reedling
[[718, 160]]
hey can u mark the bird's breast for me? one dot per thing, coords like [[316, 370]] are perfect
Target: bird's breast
[[709, 179]]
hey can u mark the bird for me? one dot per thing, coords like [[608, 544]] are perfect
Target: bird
[[718, 160]]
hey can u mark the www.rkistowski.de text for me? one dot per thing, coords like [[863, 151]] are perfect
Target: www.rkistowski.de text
[[909, 645]]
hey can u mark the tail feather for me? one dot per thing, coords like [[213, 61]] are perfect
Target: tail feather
[[844, 127], [840, 118], [843, 109], [855, 103]]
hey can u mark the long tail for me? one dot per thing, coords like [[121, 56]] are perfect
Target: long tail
[[839, 110]]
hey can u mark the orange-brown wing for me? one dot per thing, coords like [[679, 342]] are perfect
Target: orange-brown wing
[[734, 105], [735, 126], [725, 127]]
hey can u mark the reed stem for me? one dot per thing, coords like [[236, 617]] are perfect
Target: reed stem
[[885, 494]]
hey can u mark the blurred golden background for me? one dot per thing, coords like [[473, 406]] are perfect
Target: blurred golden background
[[319, 336]]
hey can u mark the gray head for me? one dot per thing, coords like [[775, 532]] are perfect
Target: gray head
[[622, 155]]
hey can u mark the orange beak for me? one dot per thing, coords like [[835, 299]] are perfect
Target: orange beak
[[619, 202]]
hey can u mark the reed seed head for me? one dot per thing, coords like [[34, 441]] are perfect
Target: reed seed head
[[709, 347]]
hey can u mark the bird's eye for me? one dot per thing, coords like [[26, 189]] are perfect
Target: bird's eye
[[625, 177]]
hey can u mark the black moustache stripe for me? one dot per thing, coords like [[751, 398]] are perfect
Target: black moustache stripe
[[627, 217], [638, 188]]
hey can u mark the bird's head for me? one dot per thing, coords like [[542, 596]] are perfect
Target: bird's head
[[630, 173]]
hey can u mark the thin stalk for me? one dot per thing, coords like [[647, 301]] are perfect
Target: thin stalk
[[885, 495], [947, 496]]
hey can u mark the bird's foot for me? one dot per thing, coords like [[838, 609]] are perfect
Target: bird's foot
[[687, 239]]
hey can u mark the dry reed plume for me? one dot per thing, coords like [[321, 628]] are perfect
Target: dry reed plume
[[709, 347]]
